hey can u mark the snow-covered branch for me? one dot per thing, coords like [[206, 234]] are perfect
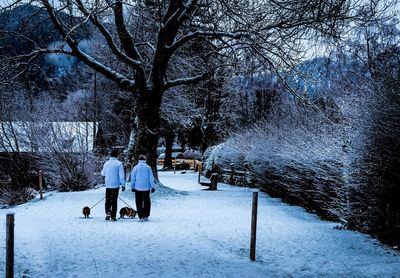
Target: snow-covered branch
[[120, 79], [125, 37], [108, 37], [186, 80], [205, 34]]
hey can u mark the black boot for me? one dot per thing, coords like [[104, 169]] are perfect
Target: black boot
[[108, 217]]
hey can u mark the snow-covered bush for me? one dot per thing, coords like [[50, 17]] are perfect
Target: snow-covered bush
[[10, 196], [76, 175], [70, 171], [338, 156], [302, 153]]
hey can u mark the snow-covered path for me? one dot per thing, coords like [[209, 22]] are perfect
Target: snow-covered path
[[195, 233]]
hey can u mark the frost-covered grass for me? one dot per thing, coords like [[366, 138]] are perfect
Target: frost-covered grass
[[195, 234]]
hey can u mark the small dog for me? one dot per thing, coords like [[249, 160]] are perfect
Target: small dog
[[126, 211], [86, 212]]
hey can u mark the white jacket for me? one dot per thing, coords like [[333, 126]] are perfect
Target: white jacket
[[142, 178], [114, 173]]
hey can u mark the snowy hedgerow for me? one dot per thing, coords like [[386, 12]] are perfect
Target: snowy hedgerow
[[301, 154], [338, 157], [11, 196]]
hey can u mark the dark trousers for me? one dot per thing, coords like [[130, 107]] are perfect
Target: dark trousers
[[143, 204], [112, 201]]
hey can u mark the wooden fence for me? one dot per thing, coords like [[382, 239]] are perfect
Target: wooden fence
[[236, 176]]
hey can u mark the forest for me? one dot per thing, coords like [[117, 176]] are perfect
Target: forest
[[303, 96]]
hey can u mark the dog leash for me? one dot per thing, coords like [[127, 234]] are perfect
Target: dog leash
[[98, 202], [124, 202]]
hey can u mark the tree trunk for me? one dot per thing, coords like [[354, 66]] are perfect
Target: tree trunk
[[169, 140], [131, 143], [148, 126]]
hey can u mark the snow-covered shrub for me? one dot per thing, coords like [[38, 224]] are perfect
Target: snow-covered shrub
[[376, 208], [10, 196], [221, 155], [77, 174], [299, 153], [71, 172], [341, 160]]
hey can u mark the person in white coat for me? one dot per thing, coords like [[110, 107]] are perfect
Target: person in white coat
[[114, 174], [142, 183]]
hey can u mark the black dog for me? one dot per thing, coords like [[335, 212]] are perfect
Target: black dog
[[86, 212]]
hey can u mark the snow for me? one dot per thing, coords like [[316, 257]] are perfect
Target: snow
[[191, 233]]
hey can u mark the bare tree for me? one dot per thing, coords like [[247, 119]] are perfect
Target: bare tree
[[275, 31]]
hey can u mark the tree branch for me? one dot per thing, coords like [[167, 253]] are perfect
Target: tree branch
[[186, 81], [108, 37], [121, 80], [193, 79], [125, 37], [205, 34]]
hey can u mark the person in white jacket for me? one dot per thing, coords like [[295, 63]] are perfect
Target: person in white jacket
[[142, 182], [114, 174]]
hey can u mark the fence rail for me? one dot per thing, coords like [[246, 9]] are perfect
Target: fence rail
[[236, 176]]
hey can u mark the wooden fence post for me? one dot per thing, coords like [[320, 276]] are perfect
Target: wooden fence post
[[200, 169], [246, 172], [253, 227], [214, 181], [10, 245], [232, 173], [41, 184]]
